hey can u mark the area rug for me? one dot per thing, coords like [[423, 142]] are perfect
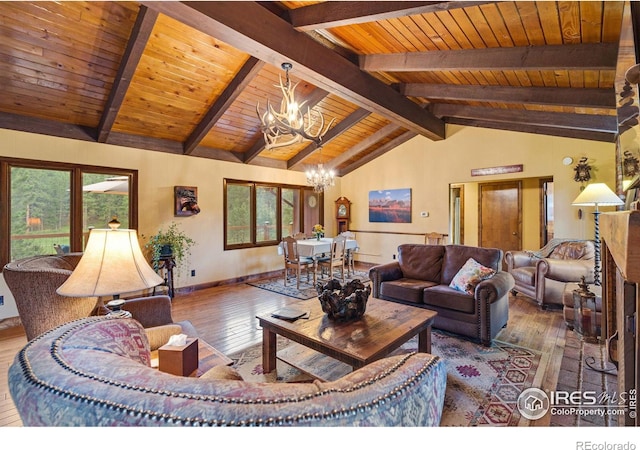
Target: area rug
[[483, 383], [307, 290]]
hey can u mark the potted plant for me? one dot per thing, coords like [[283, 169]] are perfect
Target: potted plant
[[172, 242]]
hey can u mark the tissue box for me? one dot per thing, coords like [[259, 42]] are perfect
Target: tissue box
[[179, 359]]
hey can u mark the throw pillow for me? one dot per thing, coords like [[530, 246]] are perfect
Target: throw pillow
[[221, 373], [470, 275]]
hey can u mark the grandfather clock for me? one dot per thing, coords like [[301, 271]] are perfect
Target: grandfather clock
[[343, 211]]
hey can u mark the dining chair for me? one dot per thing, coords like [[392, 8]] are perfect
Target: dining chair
[[293, 261], [336, 259], [299, 236], [348, 253], [434, 239]]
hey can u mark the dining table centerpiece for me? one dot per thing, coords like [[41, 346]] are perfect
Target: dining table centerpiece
[[318, 231]]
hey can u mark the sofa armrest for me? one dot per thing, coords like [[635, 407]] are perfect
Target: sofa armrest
[[150, 311], [495, 287], [515, 259], [565, 270], [383, 272]]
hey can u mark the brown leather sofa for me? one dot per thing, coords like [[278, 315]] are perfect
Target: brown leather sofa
[[421, 277], [543, 275]]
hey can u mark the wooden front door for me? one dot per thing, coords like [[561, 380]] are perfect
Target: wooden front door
[[500, 215]]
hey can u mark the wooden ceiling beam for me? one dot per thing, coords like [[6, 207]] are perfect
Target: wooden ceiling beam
[[256, 31], [336, 14], [404, 137], [333, 133], [599, 136], [364, 144], [145, 143], [312, 100], [548, 57], [555, 96], [242, 79], [47, 127], [587, 122], [140, 34]]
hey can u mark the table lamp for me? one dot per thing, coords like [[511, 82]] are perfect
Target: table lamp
[[597, 194], [112, 264]]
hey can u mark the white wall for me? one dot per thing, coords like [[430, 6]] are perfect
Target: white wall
[[424, 166], [428, 168]]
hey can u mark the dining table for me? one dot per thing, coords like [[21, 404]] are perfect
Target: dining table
[[315, 249]]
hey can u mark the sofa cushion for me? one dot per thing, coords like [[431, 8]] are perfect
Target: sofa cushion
[[405, 289], [456, 255], [221, 373], [470, 275], [442, 296], [421, 262]]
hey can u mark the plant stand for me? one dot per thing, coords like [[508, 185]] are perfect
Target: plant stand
[[165, 269]]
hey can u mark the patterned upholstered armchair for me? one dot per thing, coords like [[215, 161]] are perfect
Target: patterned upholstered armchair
[[544, 274], [33, 282]]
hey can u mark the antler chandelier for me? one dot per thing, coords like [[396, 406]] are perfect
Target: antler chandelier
[[290, 125]]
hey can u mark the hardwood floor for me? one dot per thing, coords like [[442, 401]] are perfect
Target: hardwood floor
[[225, 317]]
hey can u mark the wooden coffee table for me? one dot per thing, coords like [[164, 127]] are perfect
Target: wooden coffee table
[[384, 327]]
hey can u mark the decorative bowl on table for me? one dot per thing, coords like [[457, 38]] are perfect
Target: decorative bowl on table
[[343, 303]]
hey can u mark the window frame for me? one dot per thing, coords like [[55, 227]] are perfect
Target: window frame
[[252, 213], [76, 172]]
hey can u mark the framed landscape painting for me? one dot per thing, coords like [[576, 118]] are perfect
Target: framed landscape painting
[[390, 205]]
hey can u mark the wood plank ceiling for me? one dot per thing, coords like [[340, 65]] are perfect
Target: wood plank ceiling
[[185, 77]]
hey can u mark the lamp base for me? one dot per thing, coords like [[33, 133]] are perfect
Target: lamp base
[[116, 310]]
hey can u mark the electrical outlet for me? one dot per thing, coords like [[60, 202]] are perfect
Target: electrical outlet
[[193, 272], [1, 300], [394, 256]]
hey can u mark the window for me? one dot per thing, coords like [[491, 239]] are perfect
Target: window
[[52, 206], [259, 214]]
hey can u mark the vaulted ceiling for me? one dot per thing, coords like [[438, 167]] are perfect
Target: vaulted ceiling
[[185, 77]]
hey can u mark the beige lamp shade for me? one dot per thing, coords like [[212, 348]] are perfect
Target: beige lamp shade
[[112, 264], [597, 194]]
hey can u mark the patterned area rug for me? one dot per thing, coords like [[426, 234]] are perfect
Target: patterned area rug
[[306, 291], [483, 383]]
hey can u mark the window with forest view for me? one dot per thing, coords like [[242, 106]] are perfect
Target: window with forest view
[[50, 212], [263, 213]]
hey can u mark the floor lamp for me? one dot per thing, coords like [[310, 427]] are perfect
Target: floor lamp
[[597, 194], [112, 264]]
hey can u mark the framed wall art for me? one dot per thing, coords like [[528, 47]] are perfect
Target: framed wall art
[[390, 205], [186, 201]]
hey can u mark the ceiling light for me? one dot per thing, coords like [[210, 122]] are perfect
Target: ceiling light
[[320, 178], [291, 125]]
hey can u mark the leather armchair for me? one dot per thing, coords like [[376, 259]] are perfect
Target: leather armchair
[[543, 275]]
